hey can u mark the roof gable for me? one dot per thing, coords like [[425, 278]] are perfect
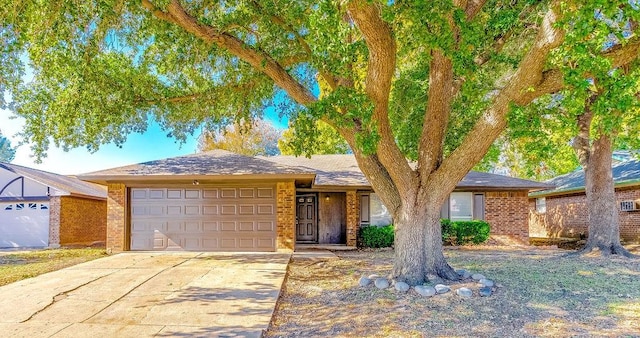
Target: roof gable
[[62, 185]]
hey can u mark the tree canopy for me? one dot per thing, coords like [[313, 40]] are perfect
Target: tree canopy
[[7, 153], [424, 81], [258, 137], [312, 137]]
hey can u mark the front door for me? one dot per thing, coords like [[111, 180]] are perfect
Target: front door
[[306, 219]]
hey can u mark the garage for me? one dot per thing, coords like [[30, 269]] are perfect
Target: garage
[[211, 218], [24, 224]]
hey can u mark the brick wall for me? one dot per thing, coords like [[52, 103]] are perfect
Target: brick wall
[[82, 221], [54, 222], [286, 215], [353, 217], [116, 217], [508, 213], [567, 216]]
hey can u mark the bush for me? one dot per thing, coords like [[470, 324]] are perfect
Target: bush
[[464, 232], [376, 237], [453, 233]]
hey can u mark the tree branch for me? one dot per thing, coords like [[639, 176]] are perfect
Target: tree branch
[[380, 70], [437, 115], [528, 75], [261, 61], [331, 81]]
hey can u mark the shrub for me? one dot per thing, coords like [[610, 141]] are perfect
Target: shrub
[[464, 232], [453, 233], [376, 237]]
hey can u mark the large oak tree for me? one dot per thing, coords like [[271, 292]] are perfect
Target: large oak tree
[[430, 80]]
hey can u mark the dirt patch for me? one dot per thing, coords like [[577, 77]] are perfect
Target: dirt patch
[[543, 293]]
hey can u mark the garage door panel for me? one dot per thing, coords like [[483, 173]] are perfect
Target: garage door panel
[[210, 218], [24, 224]]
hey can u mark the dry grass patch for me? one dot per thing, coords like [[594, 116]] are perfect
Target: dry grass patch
[[22, 265], [541, 293]]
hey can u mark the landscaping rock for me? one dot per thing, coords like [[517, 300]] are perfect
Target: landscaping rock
[[485, 291], [486, 282], [477, 276], [466, 274], [424, 290], [373, 277], [434, 279], [364, 281], [441, 288], [464, 292], [381, 283], [402, 286]]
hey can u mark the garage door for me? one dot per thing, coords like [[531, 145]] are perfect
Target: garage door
[[24, 224], [204, 219]]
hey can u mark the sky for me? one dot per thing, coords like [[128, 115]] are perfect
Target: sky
[[152, 145]]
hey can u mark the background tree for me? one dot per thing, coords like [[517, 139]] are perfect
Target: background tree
[[433, 79], [597, 111], [314, 137], [258, 137], [7, 153]]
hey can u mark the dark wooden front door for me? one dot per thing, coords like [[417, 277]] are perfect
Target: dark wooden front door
[[307, 219]]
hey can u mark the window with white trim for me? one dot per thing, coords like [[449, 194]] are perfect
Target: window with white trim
[[541, 205], [461, 206]]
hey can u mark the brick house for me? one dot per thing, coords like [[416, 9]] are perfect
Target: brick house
[[562, 212], [42, 209], [221, 201]]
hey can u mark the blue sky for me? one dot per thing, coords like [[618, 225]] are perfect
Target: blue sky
[[152, 145]]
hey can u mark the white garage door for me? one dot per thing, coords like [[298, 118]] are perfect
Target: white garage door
[[24, 224], [204, 219]]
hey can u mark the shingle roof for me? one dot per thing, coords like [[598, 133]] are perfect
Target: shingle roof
[[66, 185], [210, 163], [336, 170], [624, 173], [329, 170]]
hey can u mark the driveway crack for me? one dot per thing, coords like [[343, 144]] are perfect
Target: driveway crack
[[62, 295]]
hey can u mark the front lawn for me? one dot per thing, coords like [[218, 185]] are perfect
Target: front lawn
[[540, 293], [22, 265]]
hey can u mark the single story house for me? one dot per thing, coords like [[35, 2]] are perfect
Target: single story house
[[42, 209], [562, 211], [221, 201]]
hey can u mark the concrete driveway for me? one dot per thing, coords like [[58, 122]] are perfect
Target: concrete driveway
[[159, 294]]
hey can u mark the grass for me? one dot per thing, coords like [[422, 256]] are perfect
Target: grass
[[541, 293], [22, 265]]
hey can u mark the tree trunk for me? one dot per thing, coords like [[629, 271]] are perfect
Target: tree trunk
[[604, 223], [418, 245]]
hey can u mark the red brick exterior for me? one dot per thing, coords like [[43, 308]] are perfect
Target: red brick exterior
[[76, 221], [116, 218], [353, 217], [286, 215], [567, 216], [507, 213], [82, 221]]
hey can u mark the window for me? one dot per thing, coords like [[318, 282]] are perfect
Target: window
[[541, 205], [9, 207], [43, 207], [379, 214], [461, 206], [33, 206], [19, 206]]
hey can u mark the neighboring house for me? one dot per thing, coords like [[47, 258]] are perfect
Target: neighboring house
[[562, 212], [221, 201], [42, 209]]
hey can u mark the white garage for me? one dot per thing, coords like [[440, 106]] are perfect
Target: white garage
[[213, 218], [24, 224]]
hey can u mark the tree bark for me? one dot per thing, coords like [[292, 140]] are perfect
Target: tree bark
[[418, 246], [604, 222]]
